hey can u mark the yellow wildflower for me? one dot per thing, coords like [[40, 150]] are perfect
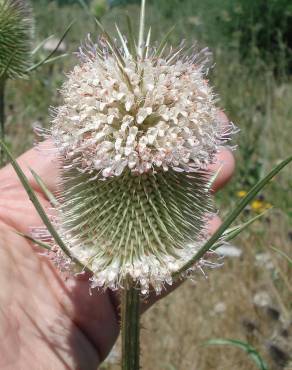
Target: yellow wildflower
[[241, 193], [259, 206]]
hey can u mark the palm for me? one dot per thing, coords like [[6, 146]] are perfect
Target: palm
[[46, 323]]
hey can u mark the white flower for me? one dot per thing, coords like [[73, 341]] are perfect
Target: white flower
[[157, 113], [135, 134]]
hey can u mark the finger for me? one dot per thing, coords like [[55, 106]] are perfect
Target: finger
[[225, 164], [224, 161]]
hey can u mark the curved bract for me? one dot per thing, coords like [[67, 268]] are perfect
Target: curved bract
[[16, 31]]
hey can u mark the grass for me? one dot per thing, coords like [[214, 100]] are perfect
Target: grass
[[223, 305]]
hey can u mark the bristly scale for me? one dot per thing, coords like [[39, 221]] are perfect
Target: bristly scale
[[16, 32], [146, 225]]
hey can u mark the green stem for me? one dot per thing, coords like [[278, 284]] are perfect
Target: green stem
[[2, 118], [130, 327]]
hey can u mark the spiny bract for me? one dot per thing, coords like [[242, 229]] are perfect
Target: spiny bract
[[16, 31], [146, 226], [135, 134]]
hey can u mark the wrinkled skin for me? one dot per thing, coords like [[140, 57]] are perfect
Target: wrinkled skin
[[46, 321]]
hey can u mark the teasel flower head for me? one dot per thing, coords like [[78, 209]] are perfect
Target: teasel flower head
[[135, 134], [16, 32]]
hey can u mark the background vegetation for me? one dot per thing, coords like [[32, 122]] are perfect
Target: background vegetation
[[249, 298]]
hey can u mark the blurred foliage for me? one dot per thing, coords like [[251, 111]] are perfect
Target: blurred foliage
[[261, 27], [60, 2], [258, 28], [122, 2]]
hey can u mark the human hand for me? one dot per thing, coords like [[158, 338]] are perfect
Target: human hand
[[47, 323]]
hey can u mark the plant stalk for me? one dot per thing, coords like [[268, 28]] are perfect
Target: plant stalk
[[2, 118], [130, 327]]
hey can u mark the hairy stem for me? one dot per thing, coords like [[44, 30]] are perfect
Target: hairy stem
[[130, 327], [2, 118]]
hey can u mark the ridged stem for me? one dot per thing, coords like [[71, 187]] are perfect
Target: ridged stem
[[2, 118], [130, 327]]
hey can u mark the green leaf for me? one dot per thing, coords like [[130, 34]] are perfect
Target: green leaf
[[49, 57], [54, 59], [283, 254], [233, 215], [44, 188], [34, 199], [35, 241], [41, 44], [246, 347], [231, 233]]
